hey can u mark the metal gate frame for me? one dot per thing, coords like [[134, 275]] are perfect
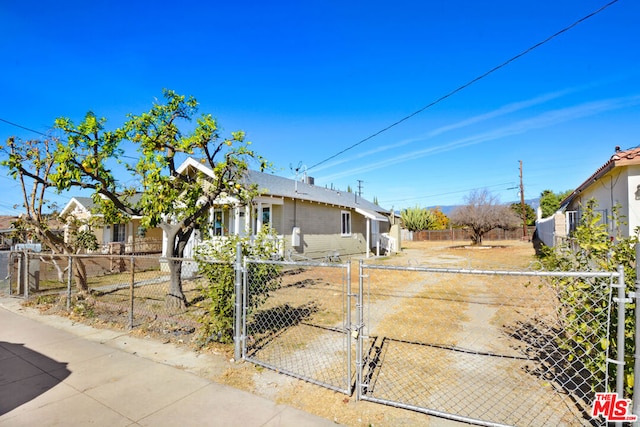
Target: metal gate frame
[[354, 333], [619, 298], [243, 339]]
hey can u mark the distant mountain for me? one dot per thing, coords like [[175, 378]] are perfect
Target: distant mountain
[[534, 203], [444, 209]]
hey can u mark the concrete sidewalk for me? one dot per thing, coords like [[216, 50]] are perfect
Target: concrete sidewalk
[[54, 372]]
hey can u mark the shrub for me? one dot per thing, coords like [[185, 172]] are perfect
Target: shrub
[[584, 307], [216, 259], [418, 219]]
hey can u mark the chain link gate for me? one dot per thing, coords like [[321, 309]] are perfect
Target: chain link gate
[[488, 347], [296, 320]]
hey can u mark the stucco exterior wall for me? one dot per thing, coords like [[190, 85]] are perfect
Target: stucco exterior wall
[[614, 189], [320, 229], [320, 226], [633, 197]]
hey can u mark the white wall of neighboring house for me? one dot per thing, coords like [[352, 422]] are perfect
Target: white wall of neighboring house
[[633, 192], [618, 187], [615, 184]]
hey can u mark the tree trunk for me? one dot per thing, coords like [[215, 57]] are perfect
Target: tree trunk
[[176, 243], [56, 265], [175, 299], [80, 275], [476, 237], [60, 246]]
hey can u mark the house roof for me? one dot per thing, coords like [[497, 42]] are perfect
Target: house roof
[[277, 186], [618, 159], [6, 223], [274, 185], [87, 204]]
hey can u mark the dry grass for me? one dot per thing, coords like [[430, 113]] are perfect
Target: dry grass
[[401, 304], [508, 254]]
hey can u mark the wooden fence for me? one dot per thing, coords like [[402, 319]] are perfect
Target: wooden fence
[[460, 234]]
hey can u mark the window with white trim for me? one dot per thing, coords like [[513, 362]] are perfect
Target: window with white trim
[[262, 217], [266, 215], [118, 232], [345, 223], [218, 222]]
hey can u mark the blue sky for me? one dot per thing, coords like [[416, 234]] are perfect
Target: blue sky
[[306, 80]]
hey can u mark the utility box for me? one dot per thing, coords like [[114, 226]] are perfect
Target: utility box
[[295, 237]]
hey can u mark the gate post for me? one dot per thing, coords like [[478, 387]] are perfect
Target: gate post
[[620, 338], [237, 329], [25, 274], [359, 320], [636, 356], [348, 328], [132, 285], [69, 281], [19, 275]]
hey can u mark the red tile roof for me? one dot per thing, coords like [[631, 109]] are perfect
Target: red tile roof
[[619, 158]]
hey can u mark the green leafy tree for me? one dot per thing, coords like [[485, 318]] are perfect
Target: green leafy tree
[[177, 202], [215, 260], [417, 219], [550, 201], [530, 213], [482, 213], [584, 308]]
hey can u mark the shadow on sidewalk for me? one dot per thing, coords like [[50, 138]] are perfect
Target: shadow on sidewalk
[[26, 374]]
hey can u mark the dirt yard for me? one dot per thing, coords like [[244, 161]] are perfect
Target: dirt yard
[[408, 316], [398, 310]]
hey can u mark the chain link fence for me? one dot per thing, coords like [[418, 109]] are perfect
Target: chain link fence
[[525, 348], [301, 327], [487, 347], [120, 290]]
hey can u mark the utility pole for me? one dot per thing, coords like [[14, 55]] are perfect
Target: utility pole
[[359, 192], [522, 205]]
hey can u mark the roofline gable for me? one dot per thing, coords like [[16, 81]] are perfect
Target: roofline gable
[[193, 163], [619, 159], [77, 201]]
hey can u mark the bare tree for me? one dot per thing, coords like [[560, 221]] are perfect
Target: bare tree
[[32, 163], [482, 213]]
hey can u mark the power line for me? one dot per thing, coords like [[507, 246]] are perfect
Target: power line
[[448, 193], [469, 83], [23, 127], [44, 134]]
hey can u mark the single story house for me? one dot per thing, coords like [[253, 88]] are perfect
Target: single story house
[[311, 222], [112, 238], [616, 183]]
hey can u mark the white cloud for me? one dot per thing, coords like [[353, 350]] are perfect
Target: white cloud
[[543, 120], [502, 111]]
